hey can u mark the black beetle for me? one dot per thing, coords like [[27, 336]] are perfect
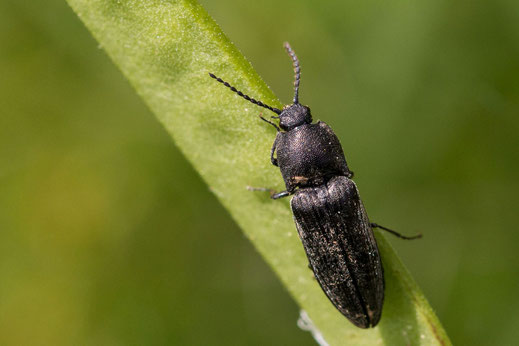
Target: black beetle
[[329, 215]]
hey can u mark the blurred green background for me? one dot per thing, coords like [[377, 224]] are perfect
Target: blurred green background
[[108, 236]]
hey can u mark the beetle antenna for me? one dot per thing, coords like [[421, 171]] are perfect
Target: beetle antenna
[[297, 71], [248, 98]]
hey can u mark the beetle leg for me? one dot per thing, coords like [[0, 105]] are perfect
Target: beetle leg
[[272, 151], [395, 233], [266, 189], [280, 195], [269, 122], [273, 194]]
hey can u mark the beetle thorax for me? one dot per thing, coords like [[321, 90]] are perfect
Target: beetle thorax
[[293, 116]]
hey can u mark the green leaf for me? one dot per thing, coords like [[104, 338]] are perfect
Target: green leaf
[[166, 49]]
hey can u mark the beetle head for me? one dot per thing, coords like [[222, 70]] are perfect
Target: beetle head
[[293, 116]]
